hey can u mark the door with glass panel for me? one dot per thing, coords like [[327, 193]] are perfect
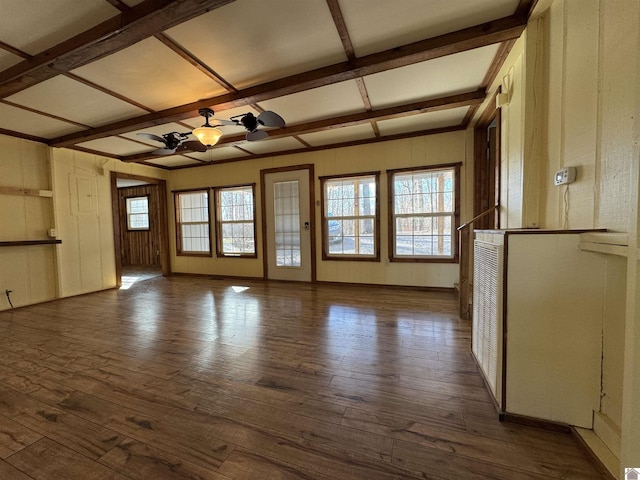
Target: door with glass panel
[[288, 225]]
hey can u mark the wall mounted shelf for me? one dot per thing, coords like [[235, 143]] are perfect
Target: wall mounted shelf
[[31, 192], [22, 243]]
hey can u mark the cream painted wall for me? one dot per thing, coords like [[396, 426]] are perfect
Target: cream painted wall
[[512, 151], [631, 391], [28, 271], [80, 211], [419, 151], [83, 218], [591, 59], [575, 101], [592, 77], [613, 337]]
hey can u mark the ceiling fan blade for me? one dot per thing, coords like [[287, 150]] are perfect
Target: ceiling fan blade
[[164, 151], [256, 135], [225, 122], [271, 119], [193, 145], [151, 136]]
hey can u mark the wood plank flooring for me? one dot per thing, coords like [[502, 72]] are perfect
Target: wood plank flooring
[[202, 378]]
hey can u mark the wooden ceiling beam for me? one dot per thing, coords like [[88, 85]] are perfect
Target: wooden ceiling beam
[[398, 136], [433, 105], [341, 27], [489, 33], [13, 50], [144, 20]]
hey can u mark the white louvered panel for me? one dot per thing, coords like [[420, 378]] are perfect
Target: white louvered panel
[[487, 308]]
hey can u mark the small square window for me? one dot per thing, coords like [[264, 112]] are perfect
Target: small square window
[[138, 213]]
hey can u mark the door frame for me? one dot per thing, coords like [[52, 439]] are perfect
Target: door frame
[[486, 171], [486, 184], [312, 214], [163, 220]]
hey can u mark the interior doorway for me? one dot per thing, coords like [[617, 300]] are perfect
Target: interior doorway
[[487, 173], [140, 226], [486, 198]]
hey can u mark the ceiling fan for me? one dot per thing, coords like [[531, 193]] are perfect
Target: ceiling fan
[[174, 142], [208, 135], [252, 123]]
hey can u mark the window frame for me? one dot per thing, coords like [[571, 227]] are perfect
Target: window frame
[[219, 223], [455, 215], [128, 215], [178, 223], [376, 220]]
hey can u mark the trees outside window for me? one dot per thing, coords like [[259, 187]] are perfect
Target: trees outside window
[[424, 214], [192, 223], [235, 221], [350, 217]]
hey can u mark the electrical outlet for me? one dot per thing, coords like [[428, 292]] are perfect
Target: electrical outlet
[[565, 176]]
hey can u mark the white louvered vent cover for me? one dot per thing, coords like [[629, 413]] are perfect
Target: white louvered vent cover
[[487, 308]]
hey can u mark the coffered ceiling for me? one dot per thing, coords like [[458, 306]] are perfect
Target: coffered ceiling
[[90, 75]]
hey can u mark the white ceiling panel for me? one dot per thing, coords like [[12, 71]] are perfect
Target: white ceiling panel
[[270, 146], [339, 135], [323, 102], [89, 106], [173, 161], [35, 25], [250, 42], [220, 153], [116, 146], [423, 121], [462, 72], [19, 120], [151, 74], [8, 59], [378, 26]]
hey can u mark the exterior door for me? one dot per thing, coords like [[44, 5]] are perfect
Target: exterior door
[[289, 226]]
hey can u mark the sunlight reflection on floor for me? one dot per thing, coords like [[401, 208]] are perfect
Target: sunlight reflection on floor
[[127, 282]]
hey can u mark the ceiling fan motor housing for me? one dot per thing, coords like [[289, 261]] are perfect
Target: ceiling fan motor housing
[[250, 122]]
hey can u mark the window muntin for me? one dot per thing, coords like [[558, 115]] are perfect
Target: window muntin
[[286, 212], [350, 217], [235, 221], [137, 213], [193, 222], [423, 211]]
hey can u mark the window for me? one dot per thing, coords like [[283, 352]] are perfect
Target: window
[[350, 217], [192, 222], [235, 221], [424, 214], [138, 213]]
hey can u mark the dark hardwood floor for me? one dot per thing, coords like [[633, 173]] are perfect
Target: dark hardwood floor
[[202, 378]]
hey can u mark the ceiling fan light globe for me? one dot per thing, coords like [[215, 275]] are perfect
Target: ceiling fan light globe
[[208, 136]]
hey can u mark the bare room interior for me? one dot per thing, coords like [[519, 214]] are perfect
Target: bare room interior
[[320, 239]]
